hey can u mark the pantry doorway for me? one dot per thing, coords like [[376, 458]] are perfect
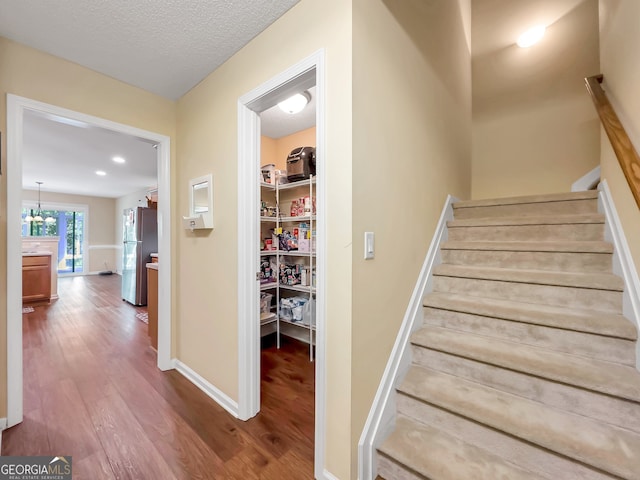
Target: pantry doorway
[[305, 74]]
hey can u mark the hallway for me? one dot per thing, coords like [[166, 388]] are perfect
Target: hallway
[[92, 391]]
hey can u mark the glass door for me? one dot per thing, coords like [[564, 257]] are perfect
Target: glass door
[[69, 226]]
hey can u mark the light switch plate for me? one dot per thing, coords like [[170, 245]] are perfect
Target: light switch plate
[[368, 245]]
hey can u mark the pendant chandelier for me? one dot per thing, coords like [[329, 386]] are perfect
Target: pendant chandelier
[[38, 217]]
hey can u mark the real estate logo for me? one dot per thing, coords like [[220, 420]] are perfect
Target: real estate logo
[[35, 468]]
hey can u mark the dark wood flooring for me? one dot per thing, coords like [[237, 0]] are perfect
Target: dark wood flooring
[[92, 391]]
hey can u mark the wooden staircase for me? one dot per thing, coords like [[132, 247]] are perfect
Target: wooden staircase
[[524, 367]]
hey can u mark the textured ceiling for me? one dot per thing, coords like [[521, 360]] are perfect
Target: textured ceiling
[[164, 47]]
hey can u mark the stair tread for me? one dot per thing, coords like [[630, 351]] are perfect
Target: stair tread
[[578, 218], [596, 375], [601, 323], [557, 197], [603, 446], [449, 457], [600, 281], [525, 246]]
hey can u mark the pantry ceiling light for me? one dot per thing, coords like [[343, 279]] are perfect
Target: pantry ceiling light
[[532, 36], [295, 103], [119, 159], [102, 173]]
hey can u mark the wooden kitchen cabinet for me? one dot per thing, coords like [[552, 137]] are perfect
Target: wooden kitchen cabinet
[[36, 278]]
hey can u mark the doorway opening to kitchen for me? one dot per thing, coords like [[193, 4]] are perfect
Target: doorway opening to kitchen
[[18, 108], [307, 74]]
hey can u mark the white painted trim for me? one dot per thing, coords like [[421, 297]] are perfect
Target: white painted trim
[[210, 390], [589, 181], [248, 209], [321, 267], [248, 292], [16, 107], [623, 264], [327, 475], [382, 414], [15, 114]]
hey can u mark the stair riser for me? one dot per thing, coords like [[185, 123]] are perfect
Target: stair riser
[[597, 323], [541, 208], [616, 411], [524, 233], [525, 292], [567, 341], [520, 453], [390, 470], [553, 261]]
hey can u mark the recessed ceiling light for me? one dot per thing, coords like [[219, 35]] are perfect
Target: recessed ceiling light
[[532, 36], [295, 103], [102, 173], [119, 159]]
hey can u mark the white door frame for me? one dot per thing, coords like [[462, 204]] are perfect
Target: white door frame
[[16, 106], [308, 72]]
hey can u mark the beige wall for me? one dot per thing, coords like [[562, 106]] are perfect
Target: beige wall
[[268, 151], [411, 147], [277, 150], [39, 76], [534, 128], [207, 271], [100, 222], [619, 38]]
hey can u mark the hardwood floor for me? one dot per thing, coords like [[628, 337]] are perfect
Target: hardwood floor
[[92, 391]]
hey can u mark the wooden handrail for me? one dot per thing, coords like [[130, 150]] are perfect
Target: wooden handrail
[[620, 141]]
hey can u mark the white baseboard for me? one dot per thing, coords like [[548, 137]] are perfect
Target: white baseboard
[[326, 475], [216, 394], [382, 414], [623, 264]]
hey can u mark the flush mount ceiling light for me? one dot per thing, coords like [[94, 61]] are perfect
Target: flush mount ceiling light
[[102, 173], [531, 36], [295, 103], [118, 159], [38, 216]]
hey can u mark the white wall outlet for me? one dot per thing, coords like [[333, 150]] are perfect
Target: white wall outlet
[[368, 245]]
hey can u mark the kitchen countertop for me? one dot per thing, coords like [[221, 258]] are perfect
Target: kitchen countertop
[[152, 265], [35, 254]]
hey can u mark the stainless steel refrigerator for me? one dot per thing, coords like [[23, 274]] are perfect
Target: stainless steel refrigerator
[[140, 240]]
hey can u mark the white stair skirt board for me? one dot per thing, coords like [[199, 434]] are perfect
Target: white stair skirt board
[[623, 264], [381, 417], [588, 181], [216, 394]]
